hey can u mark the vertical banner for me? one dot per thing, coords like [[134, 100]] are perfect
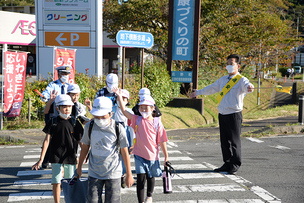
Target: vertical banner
[[14, 82], [183, 30], [65, 57]]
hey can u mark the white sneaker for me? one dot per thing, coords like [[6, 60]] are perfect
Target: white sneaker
[[148, 200]]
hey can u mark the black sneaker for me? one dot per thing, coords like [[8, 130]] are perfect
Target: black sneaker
[[123, 182], [233, 169], [224, 168]]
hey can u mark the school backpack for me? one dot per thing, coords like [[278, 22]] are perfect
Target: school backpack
[[90, 132]]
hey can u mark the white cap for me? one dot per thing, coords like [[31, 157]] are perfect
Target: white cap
[[66, 69], [125, 93], [146, 100], [112, 80], [144, 91], [73, 88], [63, 99], [101, 106]]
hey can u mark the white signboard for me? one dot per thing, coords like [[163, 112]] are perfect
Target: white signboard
[[66, 17], [19, 29], [66, 3]]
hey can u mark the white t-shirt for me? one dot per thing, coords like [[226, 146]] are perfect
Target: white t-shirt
[[105, 159]]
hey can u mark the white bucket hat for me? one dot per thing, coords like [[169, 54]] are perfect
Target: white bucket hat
[[63, 99], [144, 91], [147, 100], [73, 88], [101, 106], [125, 93], [112, 80]]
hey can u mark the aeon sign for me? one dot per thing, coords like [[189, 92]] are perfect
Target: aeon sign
[[26, 27]]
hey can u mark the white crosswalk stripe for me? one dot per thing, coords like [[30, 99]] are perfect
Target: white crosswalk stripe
[[190, 177]]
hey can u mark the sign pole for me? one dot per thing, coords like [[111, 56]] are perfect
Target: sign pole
[[170, 38], [142, 67], [2, 83], [196, 42], [123, 67]]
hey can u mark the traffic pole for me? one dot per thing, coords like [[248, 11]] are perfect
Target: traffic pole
[[285, 78], [293, 78], [301, 109]]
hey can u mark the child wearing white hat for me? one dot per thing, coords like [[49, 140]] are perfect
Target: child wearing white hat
[[66, 134], [146, 92], [78, 110], [107, 148], [150, 133]]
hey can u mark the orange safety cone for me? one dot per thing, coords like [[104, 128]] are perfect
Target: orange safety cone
[[285, 78]]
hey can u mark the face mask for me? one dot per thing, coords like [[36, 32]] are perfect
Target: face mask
[[64, 78], [109, 89], [64, 116], [230, 68], [101, 122], [145, 114]]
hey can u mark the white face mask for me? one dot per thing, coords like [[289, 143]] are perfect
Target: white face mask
[[230, 68], [109, 89], [64, 78], [101, 122], [145, 114], [64, 116]]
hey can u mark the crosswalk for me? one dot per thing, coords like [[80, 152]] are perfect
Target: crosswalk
[[193, 182]]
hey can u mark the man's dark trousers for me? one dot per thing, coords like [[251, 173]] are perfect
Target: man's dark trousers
[[230, 136]]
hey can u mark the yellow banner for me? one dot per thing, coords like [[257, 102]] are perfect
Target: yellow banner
[[227, 87]]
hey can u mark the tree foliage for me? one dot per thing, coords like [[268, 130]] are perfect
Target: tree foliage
[[17, 2], [249, 27]]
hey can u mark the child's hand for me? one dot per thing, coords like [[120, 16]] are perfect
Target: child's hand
[[53, 95], [117, 91], [131, 150], [37, 165], [129, 180], [79, 172], [87, 102]]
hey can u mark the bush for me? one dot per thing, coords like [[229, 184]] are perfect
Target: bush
[[283, 71], [158, 80]]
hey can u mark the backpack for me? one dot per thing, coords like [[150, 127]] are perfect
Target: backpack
[[90, 132], [156, 121]]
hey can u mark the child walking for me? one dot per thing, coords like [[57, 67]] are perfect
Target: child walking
[[63, 135], [149, 135], [107, 140]]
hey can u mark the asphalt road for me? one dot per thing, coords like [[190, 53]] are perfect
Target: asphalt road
[[272, 171]]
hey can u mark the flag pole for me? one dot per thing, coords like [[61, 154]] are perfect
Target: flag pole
[[2, 84]]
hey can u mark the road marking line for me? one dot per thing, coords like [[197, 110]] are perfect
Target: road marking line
[[9, 147], [216, 201], [281, 147], [193, 188], [172, 144], [27, 164], [25, 183], [17, 197], [264, 194], [254, 140], [36, 156], [41, 172]]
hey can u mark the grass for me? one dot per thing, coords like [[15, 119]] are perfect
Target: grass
[[4, 141], [22, 124], [177, 118]]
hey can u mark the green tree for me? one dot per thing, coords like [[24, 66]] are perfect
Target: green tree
[[17, 2], [227, 26]]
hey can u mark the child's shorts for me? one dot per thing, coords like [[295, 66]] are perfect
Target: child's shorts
[[152, 168], [57, 172]]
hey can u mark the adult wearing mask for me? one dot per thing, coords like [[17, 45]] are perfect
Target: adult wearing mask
[[232, 88]]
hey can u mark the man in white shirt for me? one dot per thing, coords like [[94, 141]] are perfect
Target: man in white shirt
[[230, 112]]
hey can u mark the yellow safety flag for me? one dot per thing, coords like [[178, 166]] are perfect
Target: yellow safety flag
[[279, 88]]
